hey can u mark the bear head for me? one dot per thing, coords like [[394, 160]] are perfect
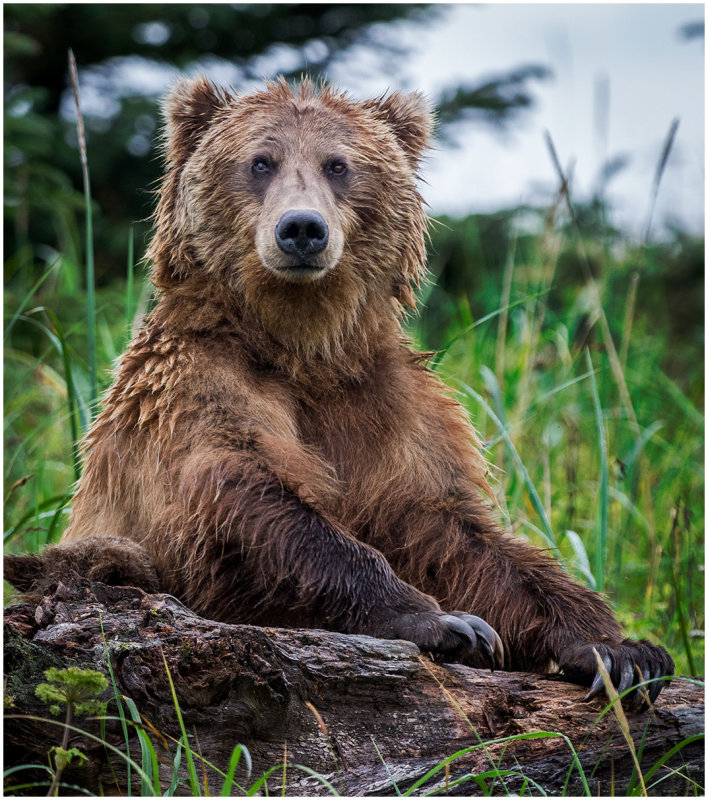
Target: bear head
[[296, 201]]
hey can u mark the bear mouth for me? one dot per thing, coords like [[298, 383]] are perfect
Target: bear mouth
[[301, 272]]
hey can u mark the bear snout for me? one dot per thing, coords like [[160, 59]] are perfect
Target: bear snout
[[302, 233]]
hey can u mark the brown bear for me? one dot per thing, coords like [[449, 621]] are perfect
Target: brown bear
[[272, 443]]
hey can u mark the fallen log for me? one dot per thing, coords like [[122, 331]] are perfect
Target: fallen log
[[370, 717]]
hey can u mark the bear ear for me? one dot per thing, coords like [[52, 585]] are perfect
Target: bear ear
[[411, 118], [188, 109]]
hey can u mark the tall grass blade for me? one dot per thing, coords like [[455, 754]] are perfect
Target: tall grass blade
[[71, 789], [193, 779], [561, 387], [58, 339], [640, 752], [631, 508], [57, 517], [12, 770], [29, 296], [71, 392], [628, 318], [620, 716], [388, 771], [234, 761], [683, 625], [175, 771], [90, 278], [659, 173], [103, 331], [672, 752], [582, 562], [520, 466], [320, 778], [150, 783], [603, 501], [491, 384], [688, 409], [641, 441], [129, 289], [262, 782], [202, 761], [615, 363], [500, 349], [678, 595], [16, 529], [119, 704]]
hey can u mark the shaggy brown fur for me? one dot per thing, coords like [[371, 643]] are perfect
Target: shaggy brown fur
[[271, 440], [106, 559]]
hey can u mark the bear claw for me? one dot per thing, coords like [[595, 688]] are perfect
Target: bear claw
[[625, 663], [627, 677], [488, 639], [598, 683], [463, 629]]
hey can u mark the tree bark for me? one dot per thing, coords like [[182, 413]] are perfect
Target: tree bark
[[371, 717]]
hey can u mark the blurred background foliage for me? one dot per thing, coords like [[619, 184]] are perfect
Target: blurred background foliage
[[604, 464]]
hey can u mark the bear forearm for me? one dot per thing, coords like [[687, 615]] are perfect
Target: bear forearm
[[278, 554], [536, 608], [461, 557]]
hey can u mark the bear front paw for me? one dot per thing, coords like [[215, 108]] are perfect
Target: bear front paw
[[629, 664], [450, 637]]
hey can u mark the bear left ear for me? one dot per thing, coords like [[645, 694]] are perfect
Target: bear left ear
[[412, 119], [188, 109]]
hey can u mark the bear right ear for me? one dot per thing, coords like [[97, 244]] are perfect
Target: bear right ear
[[411, 118], [188, 108]]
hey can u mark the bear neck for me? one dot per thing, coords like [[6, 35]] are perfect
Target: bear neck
[[339, 355]]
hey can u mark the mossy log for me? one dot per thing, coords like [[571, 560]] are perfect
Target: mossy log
[[371, 717]]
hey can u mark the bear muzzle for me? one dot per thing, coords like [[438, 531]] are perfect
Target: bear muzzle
[[300, 247]]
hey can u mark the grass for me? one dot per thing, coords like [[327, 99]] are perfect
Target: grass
[[605, 469]]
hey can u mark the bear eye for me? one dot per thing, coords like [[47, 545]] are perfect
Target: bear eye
[[337, 167], [261, 166]]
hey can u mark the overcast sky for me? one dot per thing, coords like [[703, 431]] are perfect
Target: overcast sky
[[652, 74]]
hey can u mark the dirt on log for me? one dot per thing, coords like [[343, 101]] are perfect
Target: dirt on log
[[371, 717]]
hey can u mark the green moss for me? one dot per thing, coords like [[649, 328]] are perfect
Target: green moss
[[25, 664]]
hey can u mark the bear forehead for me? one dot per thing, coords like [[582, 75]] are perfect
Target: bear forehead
[[280, 120], [322, 122]]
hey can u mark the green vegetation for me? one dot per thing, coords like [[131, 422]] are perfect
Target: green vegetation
[[76, 689], [587, 394]]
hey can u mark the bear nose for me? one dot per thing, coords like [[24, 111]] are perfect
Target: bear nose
[[302, 232]]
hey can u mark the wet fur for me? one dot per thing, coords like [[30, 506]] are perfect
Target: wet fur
[[277, 449]]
